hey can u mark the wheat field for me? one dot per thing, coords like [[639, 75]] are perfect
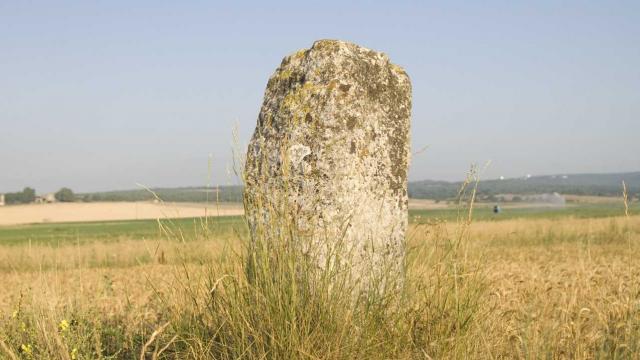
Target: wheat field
[[520, 288]]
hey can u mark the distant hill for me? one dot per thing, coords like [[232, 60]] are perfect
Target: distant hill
[[183, 194], [574, 184]]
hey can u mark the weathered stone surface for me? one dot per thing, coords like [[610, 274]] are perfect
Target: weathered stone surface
[[331, 149]]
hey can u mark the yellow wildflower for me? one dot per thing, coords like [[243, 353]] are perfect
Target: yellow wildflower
[[64, 325], [26, 349]]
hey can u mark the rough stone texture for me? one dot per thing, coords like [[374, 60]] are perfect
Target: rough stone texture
[[331, 147]]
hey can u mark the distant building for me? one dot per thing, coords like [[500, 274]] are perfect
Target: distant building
[[46, 198], [2, 200]]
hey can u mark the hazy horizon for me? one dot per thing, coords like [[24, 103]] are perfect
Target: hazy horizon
[[103, 96]]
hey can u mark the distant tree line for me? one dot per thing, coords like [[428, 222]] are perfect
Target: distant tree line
[[26, 196], [65, 195], [187, 194], [582, 184]]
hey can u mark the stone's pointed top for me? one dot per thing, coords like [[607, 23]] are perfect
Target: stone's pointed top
[[345, 56], [332, 45], [329, 42]]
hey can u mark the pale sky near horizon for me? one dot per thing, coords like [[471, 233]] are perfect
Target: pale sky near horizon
[[101, 95]]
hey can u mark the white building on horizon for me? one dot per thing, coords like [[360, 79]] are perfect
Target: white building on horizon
[[46, 198]]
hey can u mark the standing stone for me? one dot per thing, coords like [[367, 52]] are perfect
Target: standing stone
[[331, 151]]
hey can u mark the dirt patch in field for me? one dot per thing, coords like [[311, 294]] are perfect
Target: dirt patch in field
[[105, 211], [427, 204]]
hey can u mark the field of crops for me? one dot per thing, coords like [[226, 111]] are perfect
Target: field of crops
[[55, 234], [525, 283]]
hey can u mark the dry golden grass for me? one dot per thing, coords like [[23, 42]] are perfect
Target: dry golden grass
[[556, 288]]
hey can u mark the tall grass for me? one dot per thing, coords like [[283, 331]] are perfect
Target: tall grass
[[530, 295], [290, 295]]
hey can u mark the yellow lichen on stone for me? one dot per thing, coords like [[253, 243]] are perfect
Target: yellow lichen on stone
[[299, 54], [298, 96], [326, 45], [296, 102], [397, 69], [285, 74]]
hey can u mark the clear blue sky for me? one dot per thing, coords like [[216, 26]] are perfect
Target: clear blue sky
[[100, 95]]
